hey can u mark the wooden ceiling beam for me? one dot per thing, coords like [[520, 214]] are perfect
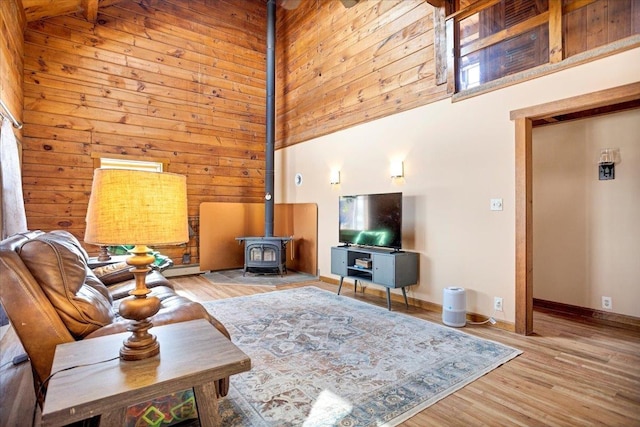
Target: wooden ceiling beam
[[90, 10], [436, 3]]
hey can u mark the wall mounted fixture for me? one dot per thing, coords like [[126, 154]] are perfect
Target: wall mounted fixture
[[397, 169], [607, 163], [334, 177]]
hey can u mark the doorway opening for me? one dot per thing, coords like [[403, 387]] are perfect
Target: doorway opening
[[588, 105]]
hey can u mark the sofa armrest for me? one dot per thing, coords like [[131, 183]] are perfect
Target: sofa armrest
[[34, 319]]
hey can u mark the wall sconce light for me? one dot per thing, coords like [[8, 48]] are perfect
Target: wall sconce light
[[334, 177], [607, 163], [397, 169]]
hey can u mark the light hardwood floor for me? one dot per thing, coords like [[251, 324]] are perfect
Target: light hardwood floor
[[572, 373]]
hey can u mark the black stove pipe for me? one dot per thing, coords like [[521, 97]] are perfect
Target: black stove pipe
[[270, 118]]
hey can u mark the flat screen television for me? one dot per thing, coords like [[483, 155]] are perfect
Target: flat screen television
[[371, 220]]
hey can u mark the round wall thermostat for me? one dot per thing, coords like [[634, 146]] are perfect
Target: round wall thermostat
[[298, 179]]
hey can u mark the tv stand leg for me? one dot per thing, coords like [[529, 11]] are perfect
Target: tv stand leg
[[389, 299], [404, 293], [340, 285], [355, 286]]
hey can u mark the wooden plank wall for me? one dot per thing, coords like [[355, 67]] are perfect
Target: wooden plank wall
[[12, 23], [595, 23], [184, 81], [340, 67], [166, 79]]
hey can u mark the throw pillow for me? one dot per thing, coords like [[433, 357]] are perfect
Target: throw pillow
[[113, 273]]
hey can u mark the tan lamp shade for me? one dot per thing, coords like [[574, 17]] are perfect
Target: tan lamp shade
[[130, 207]]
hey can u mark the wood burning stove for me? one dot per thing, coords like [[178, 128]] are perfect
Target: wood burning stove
[[265, 254]]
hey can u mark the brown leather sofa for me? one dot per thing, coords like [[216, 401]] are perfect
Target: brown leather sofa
[[51, 296]]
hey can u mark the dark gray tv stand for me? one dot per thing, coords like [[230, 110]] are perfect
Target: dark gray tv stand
[[389, 268]]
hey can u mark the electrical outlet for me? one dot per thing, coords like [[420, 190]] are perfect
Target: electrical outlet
[[607, 304], [497, 303]]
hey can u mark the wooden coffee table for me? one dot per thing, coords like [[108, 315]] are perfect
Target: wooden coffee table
[[193, 354]]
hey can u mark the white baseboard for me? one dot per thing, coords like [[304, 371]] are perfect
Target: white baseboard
[[182, 270]]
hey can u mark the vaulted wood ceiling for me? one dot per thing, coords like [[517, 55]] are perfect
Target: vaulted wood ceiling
[[42, 9]]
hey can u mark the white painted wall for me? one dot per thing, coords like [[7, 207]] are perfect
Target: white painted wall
[[457, 157], [586, 231]]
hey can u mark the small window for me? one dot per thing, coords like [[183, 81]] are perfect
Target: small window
[[502, 39], [469, 75], [142, 165]]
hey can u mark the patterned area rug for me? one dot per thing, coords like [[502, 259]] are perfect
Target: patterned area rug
[[319, 359], [238, 277]]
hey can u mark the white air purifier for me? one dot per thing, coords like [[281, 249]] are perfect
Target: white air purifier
[[454, 307]]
